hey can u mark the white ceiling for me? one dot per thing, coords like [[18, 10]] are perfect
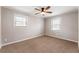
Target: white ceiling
[[57, 10]]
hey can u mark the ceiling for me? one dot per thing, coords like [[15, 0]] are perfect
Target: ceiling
[[57, 10]]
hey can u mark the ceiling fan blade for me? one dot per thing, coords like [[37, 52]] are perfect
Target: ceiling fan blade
[[48, 12], [36, 13], [47, 7], [37, 9]]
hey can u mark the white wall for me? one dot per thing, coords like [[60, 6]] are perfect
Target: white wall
[[78, 27], [0, 26], [68, 27], [11, 33]]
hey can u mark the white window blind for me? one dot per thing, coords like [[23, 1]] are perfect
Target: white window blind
[[55, 24], [20, 20]]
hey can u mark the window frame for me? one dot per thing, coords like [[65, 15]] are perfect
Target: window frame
[[53, 24], [23, 16]]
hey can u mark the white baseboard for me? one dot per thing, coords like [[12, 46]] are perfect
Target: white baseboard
[[62, 38], [34, 37], [22, 40]]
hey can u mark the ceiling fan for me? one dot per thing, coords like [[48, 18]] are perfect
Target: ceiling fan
[[43, 10]]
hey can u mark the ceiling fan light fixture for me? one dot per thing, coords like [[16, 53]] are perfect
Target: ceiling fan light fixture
[[43, 10], [42, 13]]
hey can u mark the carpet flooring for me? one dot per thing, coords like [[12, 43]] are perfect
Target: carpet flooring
[[42, 44]]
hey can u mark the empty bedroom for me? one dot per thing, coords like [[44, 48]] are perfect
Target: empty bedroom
[[39, 29]]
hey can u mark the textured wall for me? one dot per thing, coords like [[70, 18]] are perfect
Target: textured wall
[[68, 26], [12, 33]]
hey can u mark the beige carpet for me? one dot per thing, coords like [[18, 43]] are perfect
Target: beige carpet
[[43, 44]]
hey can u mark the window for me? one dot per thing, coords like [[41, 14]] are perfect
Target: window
[[55, 24], [20, 20]]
